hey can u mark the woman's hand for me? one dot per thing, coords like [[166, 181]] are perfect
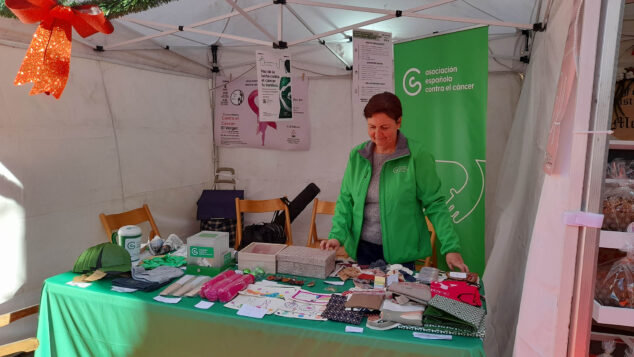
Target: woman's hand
[[454, 261], [330, 244]]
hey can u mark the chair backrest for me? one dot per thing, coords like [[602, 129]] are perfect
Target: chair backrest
[[319, 207], [112, 222], [261, 206], [26, 345]]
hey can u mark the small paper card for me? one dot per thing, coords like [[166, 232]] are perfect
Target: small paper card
[[251, 311], [457, 275], [333, 282], [79, 284], [167, 300], [431, 336], [392, 279], [204, 305], [354, 329]]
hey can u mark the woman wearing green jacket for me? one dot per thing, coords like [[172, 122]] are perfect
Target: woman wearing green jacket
[[387, 184]]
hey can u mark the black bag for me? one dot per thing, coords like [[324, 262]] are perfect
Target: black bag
[[297, 205], [270, 232]]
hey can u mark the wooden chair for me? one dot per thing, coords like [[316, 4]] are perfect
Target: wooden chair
[[27, 345], [113, 222], [261, 206], [321, 207], [430, 261]]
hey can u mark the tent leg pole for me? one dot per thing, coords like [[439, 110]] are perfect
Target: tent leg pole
[[601, 113]]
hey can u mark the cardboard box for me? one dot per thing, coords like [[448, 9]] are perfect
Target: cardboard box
[[305, 261], [208, 249], [261, 255]]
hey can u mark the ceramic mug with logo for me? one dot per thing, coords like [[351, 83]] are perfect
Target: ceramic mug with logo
[[129, 237]]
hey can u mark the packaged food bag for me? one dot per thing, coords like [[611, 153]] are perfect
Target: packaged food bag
[[615, 281]]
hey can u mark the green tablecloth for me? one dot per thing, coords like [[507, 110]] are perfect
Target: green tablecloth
[[95, 321]]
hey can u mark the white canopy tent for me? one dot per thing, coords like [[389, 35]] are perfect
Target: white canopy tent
[[134, 126]]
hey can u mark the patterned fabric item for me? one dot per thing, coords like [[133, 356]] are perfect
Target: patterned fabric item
[[446, 330], [444, 311], [221, 225], [457, 290], [336, 311]]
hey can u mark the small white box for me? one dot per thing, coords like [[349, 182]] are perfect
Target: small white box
[[208, 248]]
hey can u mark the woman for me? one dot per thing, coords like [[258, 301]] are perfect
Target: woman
[[388, 182]]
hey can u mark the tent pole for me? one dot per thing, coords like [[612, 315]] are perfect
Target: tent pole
[[196, 24], [160, 34], [195, 30], [226, 35], [229, 15], [391, 14], [301, 20], [279, 23], [470, 21], [250, 19], [609, 27], [212, 94], [343, 29], [365, 9], [413, 13]]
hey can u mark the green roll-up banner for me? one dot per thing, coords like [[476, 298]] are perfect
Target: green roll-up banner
[[442, 82]]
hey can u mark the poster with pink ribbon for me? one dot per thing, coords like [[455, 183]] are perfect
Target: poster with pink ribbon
[[237, 122]]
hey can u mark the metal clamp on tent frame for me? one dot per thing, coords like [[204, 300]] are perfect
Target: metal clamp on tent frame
[[585, 219], [214, 59]]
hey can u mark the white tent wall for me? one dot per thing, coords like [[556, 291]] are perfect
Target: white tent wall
[[118, 137]]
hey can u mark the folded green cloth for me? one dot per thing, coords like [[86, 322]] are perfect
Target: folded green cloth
[[168, 259]]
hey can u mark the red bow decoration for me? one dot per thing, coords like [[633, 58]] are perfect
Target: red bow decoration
[[47, 61]]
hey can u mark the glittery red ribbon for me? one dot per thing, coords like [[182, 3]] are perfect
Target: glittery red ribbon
[[47, 61]]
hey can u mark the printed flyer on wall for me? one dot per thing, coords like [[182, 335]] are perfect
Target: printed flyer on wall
[[237, 117], [373, 70], [274, 85]]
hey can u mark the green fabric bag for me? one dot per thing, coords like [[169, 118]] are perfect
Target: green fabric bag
[[105, 256]]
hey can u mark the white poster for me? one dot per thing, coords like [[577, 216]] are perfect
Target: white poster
[[373, 69], [274, 85], [238, 122]]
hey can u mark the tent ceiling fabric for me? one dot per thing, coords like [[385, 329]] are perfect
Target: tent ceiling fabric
[[322, 19], [301, 20]]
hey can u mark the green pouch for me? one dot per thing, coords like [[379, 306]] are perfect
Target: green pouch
[[444, 311]]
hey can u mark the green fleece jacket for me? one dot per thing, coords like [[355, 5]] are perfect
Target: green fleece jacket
[[408, 184]]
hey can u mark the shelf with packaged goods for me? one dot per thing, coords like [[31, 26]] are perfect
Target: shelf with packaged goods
[[621, 144], [615, 240], [610, 315]]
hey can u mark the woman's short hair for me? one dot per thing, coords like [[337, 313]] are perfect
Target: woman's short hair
[[387, 103]]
